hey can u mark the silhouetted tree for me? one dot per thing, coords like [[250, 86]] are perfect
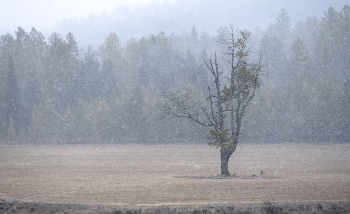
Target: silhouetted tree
[[226, 106]]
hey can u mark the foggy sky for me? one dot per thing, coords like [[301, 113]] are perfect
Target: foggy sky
[[44, 15]]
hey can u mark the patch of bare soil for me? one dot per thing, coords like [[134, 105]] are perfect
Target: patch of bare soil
[[117, 178]]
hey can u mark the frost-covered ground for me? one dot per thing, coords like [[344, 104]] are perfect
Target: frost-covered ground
[[172, 175]]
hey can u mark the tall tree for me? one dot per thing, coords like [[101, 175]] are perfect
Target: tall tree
[[297, 89], [111, 59], [72, 69], [194, 34], [282, 26], [345, 65], [61, 71], [13, 107], [226, 106], [25, 60], [344, 49], [10, 96], [275, 59], [328, 45], [6, 52], [89, 76]]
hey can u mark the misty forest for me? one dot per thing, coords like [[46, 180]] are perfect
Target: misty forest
[[55, 91]]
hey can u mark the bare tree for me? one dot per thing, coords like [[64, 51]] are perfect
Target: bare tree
[[225, 106]]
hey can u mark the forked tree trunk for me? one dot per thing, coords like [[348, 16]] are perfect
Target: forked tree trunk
[[225, 155]]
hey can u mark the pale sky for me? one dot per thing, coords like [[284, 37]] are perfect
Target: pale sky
[[44, 14]]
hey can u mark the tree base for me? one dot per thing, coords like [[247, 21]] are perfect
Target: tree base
[[225, 155]]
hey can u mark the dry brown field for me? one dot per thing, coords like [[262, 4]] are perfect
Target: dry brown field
[[170, 175]]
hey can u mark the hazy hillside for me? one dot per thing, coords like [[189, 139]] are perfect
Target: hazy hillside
[[179, 18]]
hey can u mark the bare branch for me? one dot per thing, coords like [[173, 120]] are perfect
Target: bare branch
[[212, 109], [209, 118], [180, 108]]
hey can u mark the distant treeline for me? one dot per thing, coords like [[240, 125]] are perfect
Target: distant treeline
[[53, 91]]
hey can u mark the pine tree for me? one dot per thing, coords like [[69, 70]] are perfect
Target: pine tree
[[111, 59], [13, 108]]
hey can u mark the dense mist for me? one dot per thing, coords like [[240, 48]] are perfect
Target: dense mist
[[179, 16], [103, 79]]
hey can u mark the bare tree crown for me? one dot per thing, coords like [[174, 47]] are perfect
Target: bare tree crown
[[226, 103]]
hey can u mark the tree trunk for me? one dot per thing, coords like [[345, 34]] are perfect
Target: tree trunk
[[224, 165], [225, 154]]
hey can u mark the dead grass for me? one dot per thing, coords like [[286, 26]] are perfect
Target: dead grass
[[142, 175]]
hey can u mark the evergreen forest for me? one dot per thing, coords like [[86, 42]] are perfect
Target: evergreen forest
[[54, 91]]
